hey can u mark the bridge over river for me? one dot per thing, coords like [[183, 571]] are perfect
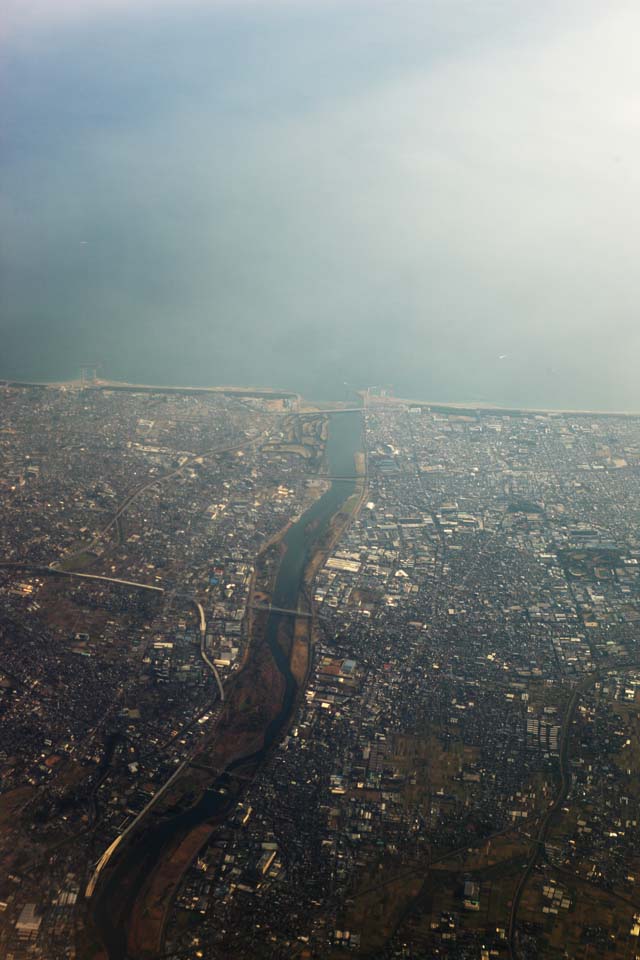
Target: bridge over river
[[134, 866]]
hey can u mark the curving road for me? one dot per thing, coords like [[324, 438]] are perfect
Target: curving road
[[203, 651], [111, 849]]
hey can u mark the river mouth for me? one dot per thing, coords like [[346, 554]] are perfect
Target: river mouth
[[116, 898]]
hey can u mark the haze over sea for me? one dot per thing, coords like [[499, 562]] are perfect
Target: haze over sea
[[442, 195]]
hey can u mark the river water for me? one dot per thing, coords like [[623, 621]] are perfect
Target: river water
[[138, 859]]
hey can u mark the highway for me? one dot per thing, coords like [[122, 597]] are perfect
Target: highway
[[111, 849], [124, 583], [320, 411], [56, 572], [203, 650]]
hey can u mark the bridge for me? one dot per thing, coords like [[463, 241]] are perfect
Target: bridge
[[111, 849], [333, 477], [273, 609], [314, 477], [56, 572], [316, 413]]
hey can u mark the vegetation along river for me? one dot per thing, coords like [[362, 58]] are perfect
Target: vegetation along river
[[111, 909]]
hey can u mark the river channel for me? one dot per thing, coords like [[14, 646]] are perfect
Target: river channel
[[137, 860]]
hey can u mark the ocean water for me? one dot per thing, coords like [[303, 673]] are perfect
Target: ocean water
[[319, 196]]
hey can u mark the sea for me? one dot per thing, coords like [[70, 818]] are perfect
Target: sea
[[291, 195]]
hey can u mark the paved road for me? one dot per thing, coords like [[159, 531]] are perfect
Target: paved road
[[56, 572], [203, 651], [126, 503], [565, 782], [546, 821], [111, 849], [315, 413]]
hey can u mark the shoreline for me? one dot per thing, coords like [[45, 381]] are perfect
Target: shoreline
[[461, 407], [475, 407]]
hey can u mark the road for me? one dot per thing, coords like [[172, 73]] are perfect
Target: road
[[52, 571], [322, 410], [56, 572], [126, 503], [111, 849], [116, 844], [565, 781], [203, 650], [323, 476]]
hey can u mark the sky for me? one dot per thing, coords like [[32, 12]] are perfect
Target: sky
[[438, 195]]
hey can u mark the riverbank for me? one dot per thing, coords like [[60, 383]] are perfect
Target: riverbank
[[133, 901]]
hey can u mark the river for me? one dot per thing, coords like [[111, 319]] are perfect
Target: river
[[137, 860]]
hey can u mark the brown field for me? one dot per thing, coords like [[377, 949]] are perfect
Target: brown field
[[566, 934], [379, 906], [394, 898], [300, 650], [301, 449], [253, 701], [12, 802], [391, 894], [434, 766], [149, 913]]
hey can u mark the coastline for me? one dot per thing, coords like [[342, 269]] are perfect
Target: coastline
[[460, 407]]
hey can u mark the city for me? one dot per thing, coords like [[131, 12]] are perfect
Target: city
[[450, 769], [319, 480]]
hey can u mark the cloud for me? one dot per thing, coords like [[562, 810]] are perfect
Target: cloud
[[402, 198], [21, 16]]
